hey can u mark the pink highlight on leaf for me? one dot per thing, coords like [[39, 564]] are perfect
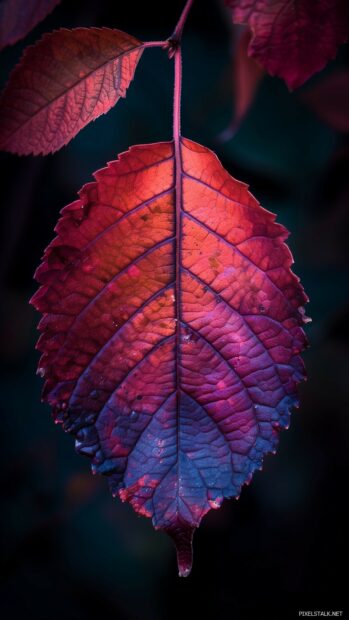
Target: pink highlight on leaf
[[174, 360], [293, 39], [62, 83]]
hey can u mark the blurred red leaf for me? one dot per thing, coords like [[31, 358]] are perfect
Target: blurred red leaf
[[293, 38], [247, 74], [80, 488], [65, 81], [18, 17], [171, 332], [329, 99]]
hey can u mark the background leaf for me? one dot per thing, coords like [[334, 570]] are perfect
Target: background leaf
[[246, 77], [18, 17], [172, 357], [293, 38], [65, 81], [329, 98]]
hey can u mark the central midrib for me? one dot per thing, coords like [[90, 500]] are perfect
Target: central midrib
[[178, 315]]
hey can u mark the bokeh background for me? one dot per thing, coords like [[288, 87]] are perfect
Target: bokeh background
[[68, 549]]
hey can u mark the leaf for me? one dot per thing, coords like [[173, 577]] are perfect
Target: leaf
[[329, 99], [18, 17], [246, 77], [65, 81], [170, 340], [293, 38]]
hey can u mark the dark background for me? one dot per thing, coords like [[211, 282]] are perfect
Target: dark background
[[71, 551]]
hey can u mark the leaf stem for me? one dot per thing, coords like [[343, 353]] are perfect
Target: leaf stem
[[175, 51], [177, 93], [155, 44]]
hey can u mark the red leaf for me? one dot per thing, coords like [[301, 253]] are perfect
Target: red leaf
[[293, 38], [18, 17], [170, 340], [62, 83], [329, 99]]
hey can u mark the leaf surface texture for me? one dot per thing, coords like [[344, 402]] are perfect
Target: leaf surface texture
[[64, 82], [170, 341]]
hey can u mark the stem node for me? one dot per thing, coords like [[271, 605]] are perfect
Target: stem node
[[173, 46]]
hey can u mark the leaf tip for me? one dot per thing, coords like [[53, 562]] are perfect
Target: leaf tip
[[182, 536]]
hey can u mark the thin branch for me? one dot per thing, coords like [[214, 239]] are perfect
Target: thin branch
[[178, 31], [163, 44]]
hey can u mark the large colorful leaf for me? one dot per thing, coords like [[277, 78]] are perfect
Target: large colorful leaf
[[18, 17], [293, 38], [171, 332], [62, 83]]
